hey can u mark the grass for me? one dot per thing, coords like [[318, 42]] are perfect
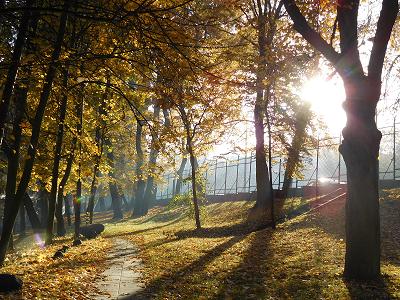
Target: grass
[[302, 259], [230, 258]]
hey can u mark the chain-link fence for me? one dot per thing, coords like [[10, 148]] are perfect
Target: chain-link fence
[[232, 175]]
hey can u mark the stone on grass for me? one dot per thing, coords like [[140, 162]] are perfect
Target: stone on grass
[[91, 231], [9, 283]]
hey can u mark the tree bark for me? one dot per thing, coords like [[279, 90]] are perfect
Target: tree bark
[[56, 162], [194, 184], [149, 194], [179, 180], [116, 201], [60, 193], [67, 201], [293, 159], [138, 209], [263, 199], [99, 143], [360, 151], [14, 65]]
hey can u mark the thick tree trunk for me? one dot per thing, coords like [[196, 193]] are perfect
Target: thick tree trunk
[[56, 162], [115, 201], [360, 150]]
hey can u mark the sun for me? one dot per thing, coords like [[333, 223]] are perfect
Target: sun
[[326, 98]]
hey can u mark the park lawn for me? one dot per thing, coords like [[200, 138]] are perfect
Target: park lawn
[[69, 277], [302, 259]]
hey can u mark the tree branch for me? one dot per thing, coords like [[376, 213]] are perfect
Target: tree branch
[[386, 21], [301, 26]]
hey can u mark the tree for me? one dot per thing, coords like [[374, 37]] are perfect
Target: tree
[[361, 138], [11, 213]]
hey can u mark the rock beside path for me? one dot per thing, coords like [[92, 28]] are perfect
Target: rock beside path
[[9, 283]]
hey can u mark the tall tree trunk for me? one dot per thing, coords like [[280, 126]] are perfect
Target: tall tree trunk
[[13, 155], [180, 171], [194, 183], [57, 159], [60, 194], [14, 65], [115, 196], [67, 201], [271, 190], [78, 198], [9, 219], [115, 201], [99, 144], [102, 205], [360, 150], [149, 193], [263, 200], [138, 209], [44, 206], [302, 119]]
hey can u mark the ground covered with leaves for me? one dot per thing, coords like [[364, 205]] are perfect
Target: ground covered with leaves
[[67, 277], [232, 259]]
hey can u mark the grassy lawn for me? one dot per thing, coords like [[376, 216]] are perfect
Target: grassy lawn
[[302, 259], [231, 258]]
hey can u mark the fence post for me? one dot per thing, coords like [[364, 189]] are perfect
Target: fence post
[[237, 173], [316, 171], [340, 140], [215, 176], [206, 176], [245, 172], [394, 149], [168, 177], [279, 174], [226, 174], [251, 156]]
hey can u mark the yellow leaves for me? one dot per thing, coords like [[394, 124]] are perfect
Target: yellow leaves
[[65, 278]]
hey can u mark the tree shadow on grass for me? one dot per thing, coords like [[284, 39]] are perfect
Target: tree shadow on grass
[[256, 278], [221, 231], [377, 289], [167, 282], [122, 234]]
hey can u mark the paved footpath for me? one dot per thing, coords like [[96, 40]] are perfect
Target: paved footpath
[[121, 281]]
